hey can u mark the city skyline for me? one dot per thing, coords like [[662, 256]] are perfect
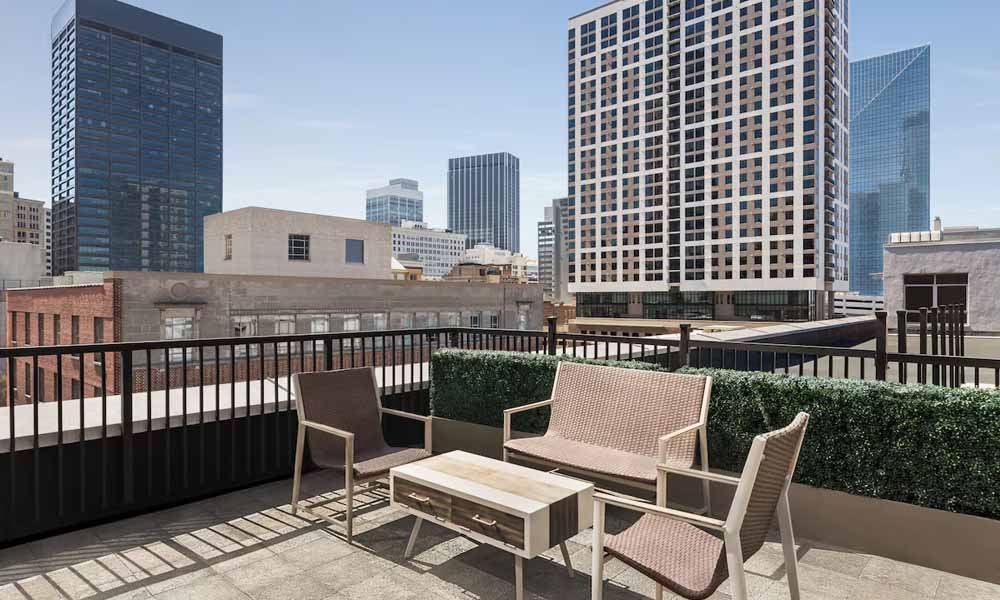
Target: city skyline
[[333, 144]]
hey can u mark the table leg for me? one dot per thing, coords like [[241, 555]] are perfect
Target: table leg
[[565, 553], [413, 538], [518, 577]]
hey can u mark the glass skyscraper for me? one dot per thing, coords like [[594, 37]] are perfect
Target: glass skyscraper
[[400, 201], [136, 138], [890, 157], [484, 199]]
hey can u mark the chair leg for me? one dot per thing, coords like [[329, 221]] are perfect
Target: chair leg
[[300, 444], [565, 553], [734, 560], [788, 546], [705, 484], [597, 554]]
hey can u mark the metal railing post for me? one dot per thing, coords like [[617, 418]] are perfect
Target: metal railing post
[[128, 487], [901, 342], [880, 335], [685, 344], [935, 369], [552, 322], [327, 356], [922, 372]]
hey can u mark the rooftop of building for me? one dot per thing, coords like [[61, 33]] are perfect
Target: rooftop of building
[[961, 234]]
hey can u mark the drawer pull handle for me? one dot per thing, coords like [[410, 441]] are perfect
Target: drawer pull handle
[[418, 498], [484, 522]]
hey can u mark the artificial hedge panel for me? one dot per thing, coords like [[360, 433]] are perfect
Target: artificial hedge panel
[[925, 445]]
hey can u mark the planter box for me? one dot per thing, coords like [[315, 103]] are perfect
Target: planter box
[[957, 543]]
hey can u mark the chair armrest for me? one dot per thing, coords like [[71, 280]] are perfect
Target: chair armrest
[[347, 435], [526, 407], [670, 469], [510, 411], [427, 421], [405, 415], [663, 439], [652, 509]]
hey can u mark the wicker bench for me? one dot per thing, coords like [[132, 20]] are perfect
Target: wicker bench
[[618, 425]]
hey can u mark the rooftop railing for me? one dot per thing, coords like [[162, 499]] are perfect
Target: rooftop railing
[[97, 431]]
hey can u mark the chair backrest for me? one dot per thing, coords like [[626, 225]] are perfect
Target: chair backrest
[[627, 409], [766, 475], [346, 399]]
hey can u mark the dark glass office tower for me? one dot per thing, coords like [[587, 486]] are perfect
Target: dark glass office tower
[[890, 157], [136, 138], [484, 199]]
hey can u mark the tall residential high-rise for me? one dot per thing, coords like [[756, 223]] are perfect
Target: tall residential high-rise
[[399, 201], [484, 199], [546, 240], [21, 219], [890, 157], [707, 158], [136, 138]]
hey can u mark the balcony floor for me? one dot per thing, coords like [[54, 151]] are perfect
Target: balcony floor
[[248, 545]]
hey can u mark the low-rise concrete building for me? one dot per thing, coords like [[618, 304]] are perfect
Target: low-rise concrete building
[[137, 306], [438, 249], [954, 265], [264, 241]]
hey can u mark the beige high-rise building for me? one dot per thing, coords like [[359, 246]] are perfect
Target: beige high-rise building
[[708, 156], [21, 219]]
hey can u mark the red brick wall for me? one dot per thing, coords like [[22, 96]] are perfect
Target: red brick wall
[[86, 302]]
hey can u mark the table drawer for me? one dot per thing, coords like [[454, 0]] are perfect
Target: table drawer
[[487, 521], [422, 498]]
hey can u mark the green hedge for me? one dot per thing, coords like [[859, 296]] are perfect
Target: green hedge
[[925, 445]]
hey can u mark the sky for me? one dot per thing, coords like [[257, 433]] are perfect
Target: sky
[[327, 98]]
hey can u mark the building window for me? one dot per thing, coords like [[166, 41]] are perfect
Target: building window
[[355, 251], [940, 289], [451, 319], [523, 316], [74, 330], [284, 325], [41, 385], [13, 328], [228, 249], [75, 390], [475, 320], [494, 321], [27, 382], [27, 329], [56, 330], [298, 247], [41, 329], [245, 326], [98, 339], [178, 328]]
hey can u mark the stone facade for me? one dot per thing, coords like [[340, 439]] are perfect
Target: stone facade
[[256, 241]]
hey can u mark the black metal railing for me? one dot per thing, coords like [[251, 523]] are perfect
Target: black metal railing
[[96, 431]]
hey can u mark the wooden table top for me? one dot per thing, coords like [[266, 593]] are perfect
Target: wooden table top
[[507, 486]]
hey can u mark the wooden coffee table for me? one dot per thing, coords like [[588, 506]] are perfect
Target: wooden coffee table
[[514, 508]]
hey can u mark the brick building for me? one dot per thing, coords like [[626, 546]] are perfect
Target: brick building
[[134, 306], [81, 313]]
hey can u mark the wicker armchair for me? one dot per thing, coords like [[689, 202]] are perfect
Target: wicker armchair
[[672, 547], [340, 414], [618, 424]]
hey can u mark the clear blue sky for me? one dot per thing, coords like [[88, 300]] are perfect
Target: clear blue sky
[[325, 99]]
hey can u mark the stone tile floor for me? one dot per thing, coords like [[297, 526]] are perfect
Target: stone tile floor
[[248, 545]]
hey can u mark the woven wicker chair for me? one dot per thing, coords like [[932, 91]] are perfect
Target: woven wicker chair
[[618, 424], [672, 547], [340, 413]]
